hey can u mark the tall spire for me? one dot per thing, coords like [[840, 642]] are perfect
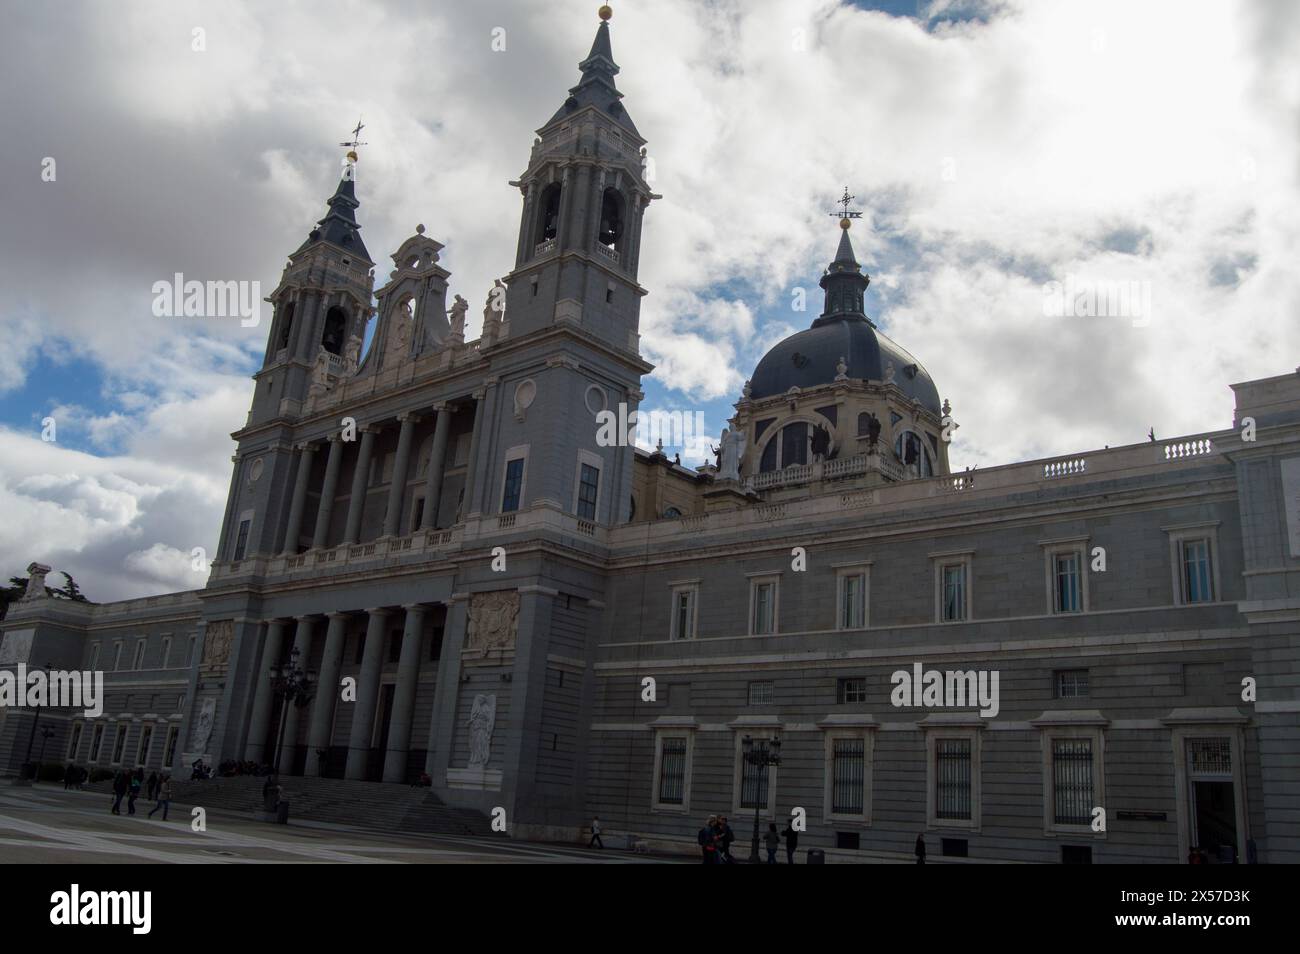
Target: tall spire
[[596, 85], [339, 227]]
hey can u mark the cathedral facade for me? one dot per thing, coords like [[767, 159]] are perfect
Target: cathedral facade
[[488, 590]]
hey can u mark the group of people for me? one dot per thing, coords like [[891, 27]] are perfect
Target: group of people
[[74, 776], [716, 838], [128, 785]]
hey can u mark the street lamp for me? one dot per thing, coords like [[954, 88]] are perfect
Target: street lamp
[[289, 684], [760, 757], [31, 739], [47, 733]]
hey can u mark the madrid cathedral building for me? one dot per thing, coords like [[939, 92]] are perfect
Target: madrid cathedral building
[[568, 627]]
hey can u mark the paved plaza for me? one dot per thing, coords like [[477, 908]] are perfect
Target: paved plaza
[[46, 825]]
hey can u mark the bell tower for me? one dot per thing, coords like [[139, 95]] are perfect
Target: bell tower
[[585, 196]]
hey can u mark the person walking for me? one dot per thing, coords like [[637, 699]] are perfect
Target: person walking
[[772, 841], [151, 787], [69, 776], [134, 785], [707, 838], [726, 836], [164, 796], [595, 834], [120, 785], [920, 849], [791, 843]]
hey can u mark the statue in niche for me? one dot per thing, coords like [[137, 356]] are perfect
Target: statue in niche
[[352, 353], [482, 720], [732, 447]]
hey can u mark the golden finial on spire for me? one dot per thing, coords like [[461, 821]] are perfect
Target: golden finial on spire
[[354, 142], [846, 214], [605, 11]]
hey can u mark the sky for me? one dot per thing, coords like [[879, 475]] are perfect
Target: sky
[[1010, 159]]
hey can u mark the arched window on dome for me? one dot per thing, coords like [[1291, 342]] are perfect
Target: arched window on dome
[[767, 462], [794, 444], [911, 449], [672, 513], [864, 424]]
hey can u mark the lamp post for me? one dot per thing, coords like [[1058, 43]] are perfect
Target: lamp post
[[760, 757], [46, 734], [31, 739], [290, 684]]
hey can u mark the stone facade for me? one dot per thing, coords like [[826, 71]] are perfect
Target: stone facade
[[565, 629]]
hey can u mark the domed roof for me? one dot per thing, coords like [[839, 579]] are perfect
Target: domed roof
[[809, 358]]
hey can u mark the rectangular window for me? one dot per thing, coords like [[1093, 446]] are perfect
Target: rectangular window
[[1072, 781], [848, 770], [94, 657], [119, 742], [672, 772], [1071, 683], [952, 773], [953, 591], [189, 653], [117, 656], [1198, 584], [762, 607], [241, 541], [683, 621], [138, 663], [588, 484], [96, 741], [169, 752], [166, 652], [1067, 593], [851, 690], [74, 741], [760, 693], [146, 740], [754, 779], [852, 601], [513, 485]]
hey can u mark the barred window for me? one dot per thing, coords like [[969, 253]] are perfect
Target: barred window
[[1071, 683], [753, 779], [952, 773], [1072, 781], [1068, 598], [848, 770], [672, 772], [760, 693], [850, 690], [1198, 585], [1210, 757]]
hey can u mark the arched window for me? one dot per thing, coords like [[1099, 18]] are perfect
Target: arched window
[[768, 461], [911, 449], [336, 322], [286, 326], [864, 424], [611, 219], [548, 213], [672, 513], [794, 444]]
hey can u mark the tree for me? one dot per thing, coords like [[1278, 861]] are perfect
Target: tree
[[12, 593], [71, 591]]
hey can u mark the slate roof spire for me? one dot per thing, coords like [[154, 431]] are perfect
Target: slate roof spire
[[844, 283], [596, 85], [339, 227]]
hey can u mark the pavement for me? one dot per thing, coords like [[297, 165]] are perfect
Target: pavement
[[44, 824]]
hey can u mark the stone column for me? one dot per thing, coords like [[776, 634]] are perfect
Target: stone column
[[360, 481], [472, 480], [263, 696], [326, 507], [302, 643], [397, 490], [408, 669], [296, 508], [363, 719], [327, 692], [442, 724], [437, 460]]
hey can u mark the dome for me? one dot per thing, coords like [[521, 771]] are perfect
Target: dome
[[809, 358]]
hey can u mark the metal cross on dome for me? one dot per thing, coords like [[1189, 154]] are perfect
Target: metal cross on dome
[[844, 212]]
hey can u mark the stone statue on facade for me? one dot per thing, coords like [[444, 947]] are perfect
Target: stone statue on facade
[[35, 582], [889, 373], [493, 618], [732, 447], [352, 354], [203, 726], [217, 640], [459, 308], [482, 720]]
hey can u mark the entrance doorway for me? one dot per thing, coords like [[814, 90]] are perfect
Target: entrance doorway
[[1212, 800]]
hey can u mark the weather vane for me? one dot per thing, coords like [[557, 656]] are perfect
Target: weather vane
[[356, 141], [844, 215]]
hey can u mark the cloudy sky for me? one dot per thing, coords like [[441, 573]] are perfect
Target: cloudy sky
[[994, 147]]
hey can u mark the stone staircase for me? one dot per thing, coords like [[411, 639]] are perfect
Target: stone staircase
[[373, 805]]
